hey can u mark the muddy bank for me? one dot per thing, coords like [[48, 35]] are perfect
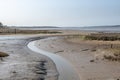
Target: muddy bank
[[23, 64]]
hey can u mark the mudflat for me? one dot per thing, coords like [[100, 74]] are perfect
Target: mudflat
[[22, 63]]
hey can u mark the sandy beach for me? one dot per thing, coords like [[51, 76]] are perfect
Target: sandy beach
[[85, 56]]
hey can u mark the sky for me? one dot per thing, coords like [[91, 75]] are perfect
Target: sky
[[62, 13]]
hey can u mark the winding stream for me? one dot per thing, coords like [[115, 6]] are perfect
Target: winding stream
[[65, 69]]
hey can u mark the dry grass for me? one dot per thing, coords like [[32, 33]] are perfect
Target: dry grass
[[112, 54], [18, 31]]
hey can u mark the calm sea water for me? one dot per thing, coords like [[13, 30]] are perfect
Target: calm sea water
[[99, 29]]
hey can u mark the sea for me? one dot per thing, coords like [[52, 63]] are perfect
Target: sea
[[113, 29]]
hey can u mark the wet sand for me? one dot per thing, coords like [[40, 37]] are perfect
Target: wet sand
[[23, 64], [82, 55]]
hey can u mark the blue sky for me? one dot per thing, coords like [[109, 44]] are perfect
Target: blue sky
[[60, 12]]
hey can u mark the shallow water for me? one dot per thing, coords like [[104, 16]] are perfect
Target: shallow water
[[65, 69], [91, 28]]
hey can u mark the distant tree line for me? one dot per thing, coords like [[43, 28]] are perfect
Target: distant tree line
[[1, 25]]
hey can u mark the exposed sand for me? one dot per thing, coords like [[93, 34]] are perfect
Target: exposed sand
[[82, 55], [23, 64]]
